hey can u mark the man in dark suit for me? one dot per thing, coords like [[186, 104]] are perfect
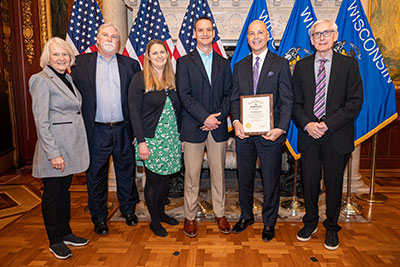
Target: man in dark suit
[[203, 80], [262, 72], [328, 95], [103, 79]]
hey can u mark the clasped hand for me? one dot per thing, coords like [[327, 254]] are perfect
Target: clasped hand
[[316, 129], [211, 123]]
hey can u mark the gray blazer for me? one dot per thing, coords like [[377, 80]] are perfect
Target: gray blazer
[[59, 125]]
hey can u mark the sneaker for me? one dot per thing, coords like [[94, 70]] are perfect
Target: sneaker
[[60, 250], [305, 233], [331, 240], [73, 240]]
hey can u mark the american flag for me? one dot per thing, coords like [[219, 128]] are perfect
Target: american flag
[[186, 42], [149, 24], [84, 21]]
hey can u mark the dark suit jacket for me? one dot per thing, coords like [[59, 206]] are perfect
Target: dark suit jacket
[[275, 78], [344, 100], [145, 108], [200, 99], [84, 75]]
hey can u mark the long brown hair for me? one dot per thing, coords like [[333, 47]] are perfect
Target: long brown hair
[[151, 80]]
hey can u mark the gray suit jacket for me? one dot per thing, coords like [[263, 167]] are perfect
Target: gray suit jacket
[[59, 125]]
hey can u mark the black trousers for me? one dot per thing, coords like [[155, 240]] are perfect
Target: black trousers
[[155, 194], [56, 205], [107, 141], [270, 155], [320, 157]]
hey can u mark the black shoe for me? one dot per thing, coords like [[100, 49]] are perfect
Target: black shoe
[[268, 233], [131, 219], [159, 230], [101, 228], [241, 225], [169, 220], [305, 233], [331, 240], [60, 250], [73, 240]]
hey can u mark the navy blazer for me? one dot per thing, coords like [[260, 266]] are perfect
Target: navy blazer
[[84, 76], [343, 103], [145, 109], [275, 78], [200, 98]]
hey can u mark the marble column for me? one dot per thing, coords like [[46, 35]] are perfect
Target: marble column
[[114, 11], [357, 184]]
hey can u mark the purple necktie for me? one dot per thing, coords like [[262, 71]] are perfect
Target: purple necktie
[[256, 73], [320, 91]]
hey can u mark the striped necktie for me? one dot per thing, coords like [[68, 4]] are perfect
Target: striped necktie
[[256, 73], [320, 91]]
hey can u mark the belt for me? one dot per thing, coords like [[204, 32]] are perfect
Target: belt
[[111, 124]]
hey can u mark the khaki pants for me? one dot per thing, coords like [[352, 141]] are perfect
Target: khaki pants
[[193, 157]]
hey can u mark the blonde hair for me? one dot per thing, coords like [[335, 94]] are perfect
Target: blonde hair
[[45, 56], [151, 80]]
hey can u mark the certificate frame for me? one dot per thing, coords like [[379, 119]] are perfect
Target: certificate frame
[[257, 114]]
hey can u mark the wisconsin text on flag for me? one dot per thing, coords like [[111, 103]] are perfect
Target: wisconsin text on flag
[[356, 39], [258, 10], [296, 45]]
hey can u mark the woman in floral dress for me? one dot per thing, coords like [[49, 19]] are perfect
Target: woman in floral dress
[[154, 110]]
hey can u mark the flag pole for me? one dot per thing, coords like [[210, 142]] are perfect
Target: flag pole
[[373, 197], [293, 205], [350, 209]]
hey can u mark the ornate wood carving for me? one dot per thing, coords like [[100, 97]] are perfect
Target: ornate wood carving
[[44, 21], [27, 29], [5, 17]]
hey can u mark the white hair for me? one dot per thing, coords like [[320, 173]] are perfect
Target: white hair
[[333, 25], [45, 57]]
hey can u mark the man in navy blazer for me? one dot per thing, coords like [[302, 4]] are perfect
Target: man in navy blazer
[[103, 79], [262, 72], [326, 126], [203, 80]]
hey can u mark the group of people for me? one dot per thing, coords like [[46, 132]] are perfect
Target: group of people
[[109, 107]]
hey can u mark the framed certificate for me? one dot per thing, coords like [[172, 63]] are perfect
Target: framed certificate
[[256, 113]]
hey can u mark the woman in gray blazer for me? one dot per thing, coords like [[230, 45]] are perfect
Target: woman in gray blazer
[[61, 149]]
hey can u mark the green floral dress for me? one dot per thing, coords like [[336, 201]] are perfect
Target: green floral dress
[[165, 146]]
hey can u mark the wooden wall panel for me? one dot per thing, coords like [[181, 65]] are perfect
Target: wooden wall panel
[[25, 46], [388, 147]]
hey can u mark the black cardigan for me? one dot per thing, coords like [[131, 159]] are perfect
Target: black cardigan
[[145, 108]]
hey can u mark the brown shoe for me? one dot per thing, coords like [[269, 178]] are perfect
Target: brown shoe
[[223, 225], [190, 228]]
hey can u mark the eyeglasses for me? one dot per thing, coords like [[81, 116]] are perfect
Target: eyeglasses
[[317, 35]]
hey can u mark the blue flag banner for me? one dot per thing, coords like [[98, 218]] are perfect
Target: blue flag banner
[[296, 45], [356, 39], [258, 11]]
